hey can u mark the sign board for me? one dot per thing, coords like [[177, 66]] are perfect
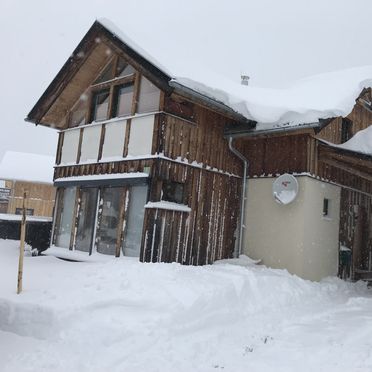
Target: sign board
[[4, 193]]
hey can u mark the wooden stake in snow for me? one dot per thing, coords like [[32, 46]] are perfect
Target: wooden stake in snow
[[22, 245]]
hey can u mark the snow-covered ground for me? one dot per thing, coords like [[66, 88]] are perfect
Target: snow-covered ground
[[121, 315]]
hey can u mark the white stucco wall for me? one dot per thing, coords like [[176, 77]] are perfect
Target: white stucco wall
[[296, 236]]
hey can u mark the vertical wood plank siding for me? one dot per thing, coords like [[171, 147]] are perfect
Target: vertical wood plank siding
[[200, 236], [271, 156], [352, 201]]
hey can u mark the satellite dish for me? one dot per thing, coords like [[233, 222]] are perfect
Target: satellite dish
[[285, 189]]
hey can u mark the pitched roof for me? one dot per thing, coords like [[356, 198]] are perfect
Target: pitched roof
[[23, 166], [308, 100]]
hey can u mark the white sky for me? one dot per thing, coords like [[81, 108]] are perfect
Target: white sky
[[275, 42]]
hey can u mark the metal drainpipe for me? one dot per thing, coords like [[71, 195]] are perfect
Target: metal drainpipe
[[244, 186]]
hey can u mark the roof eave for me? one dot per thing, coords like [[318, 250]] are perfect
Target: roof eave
[[211, 103]]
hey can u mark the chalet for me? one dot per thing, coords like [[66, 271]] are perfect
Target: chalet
[[32, 173], [166, 168]]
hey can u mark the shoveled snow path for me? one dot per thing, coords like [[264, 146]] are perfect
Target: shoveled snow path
[[120, 315]]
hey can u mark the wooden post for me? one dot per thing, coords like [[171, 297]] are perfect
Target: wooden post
[[22, 245]]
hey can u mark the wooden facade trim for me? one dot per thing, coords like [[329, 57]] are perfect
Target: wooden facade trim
[[136, 92], [61, 137], [101, 141], [81, 133]]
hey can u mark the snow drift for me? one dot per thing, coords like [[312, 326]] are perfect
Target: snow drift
[[119, 314]]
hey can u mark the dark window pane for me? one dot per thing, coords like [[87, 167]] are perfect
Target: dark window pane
[[173, 192], [325, 207], [149, 97], [107, 233], [123, 68], [29, 211], [107, 74], [123, 100], [136, 211], [65, 210], [100, 105], [86, 219]]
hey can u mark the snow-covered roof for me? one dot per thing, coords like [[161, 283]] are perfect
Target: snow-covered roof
[[361, 142], [27, 167], [308, 100]]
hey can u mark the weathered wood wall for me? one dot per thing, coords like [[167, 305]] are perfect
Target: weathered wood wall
[[198, 139], [125, 166], [200, 236], [360, 117], [274, 155]]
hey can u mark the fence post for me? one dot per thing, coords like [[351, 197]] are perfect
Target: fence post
[[22, 245]]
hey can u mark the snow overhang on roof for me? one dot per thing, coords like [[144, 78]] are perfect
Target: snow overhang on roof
[[300, 104]]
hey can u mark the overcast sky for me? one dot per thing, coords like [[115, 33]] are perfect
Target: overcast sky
[[273, 41]]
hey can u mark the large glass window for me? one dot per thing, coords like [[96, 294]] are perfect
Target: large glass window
[[149, 97], [107, 234], [123, 100], [78, 115], [100, 105], [65, 210], [86, 219], [136, 211]]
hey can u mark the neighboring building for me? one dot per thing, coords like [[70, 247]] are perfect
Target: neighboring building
[[144, 167], [32, 173]]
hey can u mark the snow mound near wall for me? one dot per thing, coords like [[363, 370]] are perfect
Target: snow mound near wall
[[59, 293]]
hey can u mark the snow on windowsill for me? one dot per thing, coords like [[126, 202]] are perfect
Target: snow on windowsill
[[168, 206], [18, 217], [111, 176]]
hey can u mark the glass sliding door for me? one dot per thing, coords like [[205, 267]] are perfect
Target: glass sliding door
[[134, 221], [111, 207], [65, 210], [86, 219]]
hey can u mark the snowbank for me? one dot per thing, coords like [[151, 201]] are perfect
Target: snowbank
[[308, 100], [23, 166], [123, 315]]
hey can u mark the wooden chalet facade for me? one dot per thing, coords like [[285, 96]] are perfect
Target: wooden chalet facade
[[141, 170], [143, 167]]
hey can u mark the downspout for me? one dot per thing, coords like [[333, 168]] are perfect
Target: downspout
[[244, 187]]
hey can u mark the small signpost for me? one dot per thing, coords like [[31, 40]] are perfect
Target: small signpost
[[22, 245], [4, 193]]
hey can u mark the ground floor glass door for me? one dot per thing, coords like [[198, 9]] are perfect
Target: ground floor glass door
[[134, 221], [111, 209], [86, 219], [65, 209]]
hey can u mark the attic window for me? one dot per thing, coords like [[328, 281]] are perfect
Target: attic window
[[123, 68], [116, 68], [107, 73], [78, 114], [149, 97], [123, 100], [100, 105]]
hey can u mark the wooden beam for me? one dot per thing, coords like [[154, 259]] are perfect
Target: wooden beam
[[347, 168]]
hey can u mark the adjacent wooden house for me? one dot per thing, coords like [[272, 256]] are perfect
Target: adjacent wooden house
[[152, 166], [32, 173]]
